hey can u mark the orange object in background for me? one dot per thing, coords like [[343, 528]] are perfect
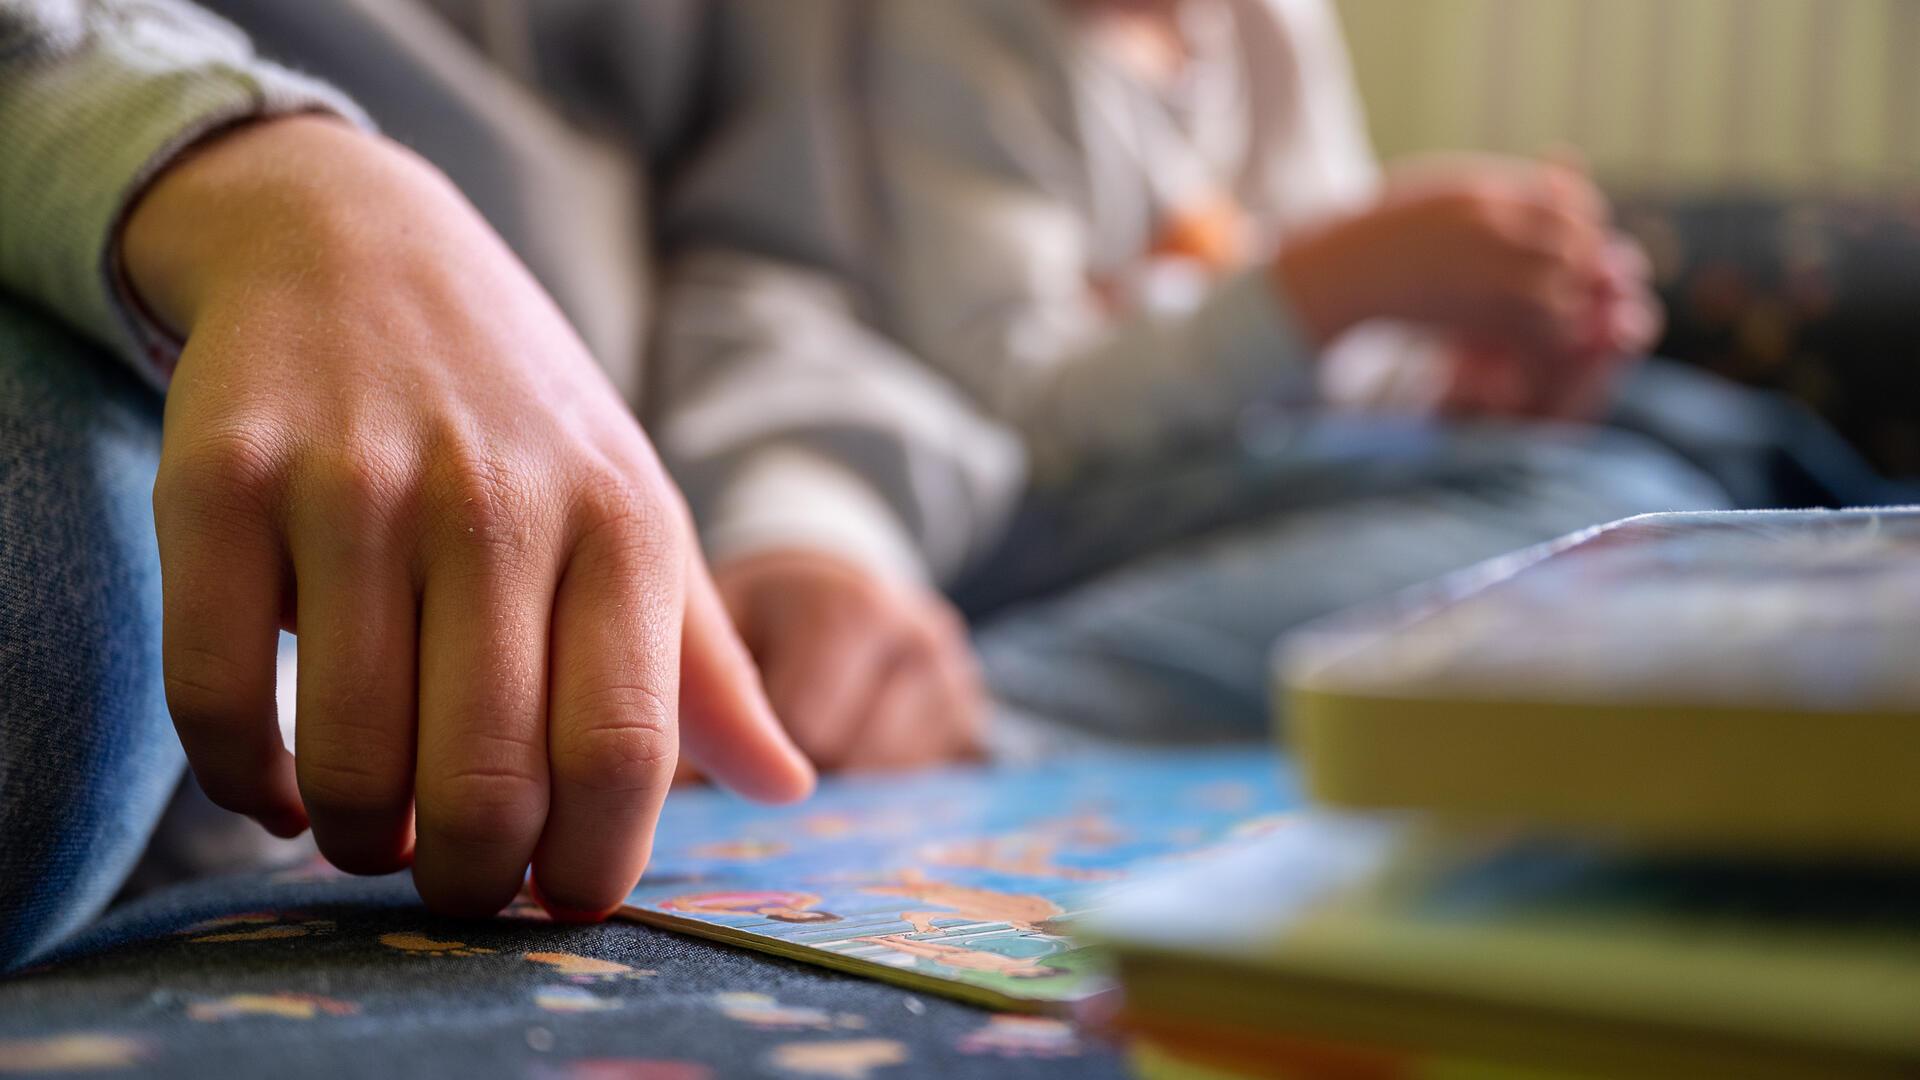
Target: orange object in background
[[1213, 233]]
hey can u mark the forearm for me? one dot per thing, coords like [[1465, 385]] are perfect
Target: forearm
[[286, 202]]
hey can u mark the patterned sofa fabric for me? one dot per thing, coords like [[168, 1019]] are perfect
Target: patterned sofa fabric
[[305, 973], [1819, 299]]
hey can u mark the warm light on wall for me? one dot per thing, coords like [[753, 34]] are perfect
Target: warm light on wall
[[1672, 93]]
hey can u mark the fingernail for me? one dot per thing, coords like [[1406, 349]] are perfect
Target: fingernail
[[562, 914]]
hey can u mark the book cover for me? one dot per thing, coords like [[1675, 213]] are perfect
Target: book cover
[[1712, 681]]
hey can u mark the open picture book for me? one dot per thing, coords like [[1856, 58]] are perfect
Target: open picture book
[[961, 882]]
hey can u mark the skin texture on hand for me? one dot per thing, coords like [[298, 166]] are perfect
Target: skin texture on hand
[[867, 674], [383, 435]]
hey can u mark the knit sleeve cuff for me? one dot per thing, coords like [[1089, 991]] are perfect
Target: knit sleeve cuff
[[789, 497], [95, 101]]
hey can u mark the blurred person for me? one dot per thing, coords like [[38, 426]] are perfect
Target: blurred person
[[379, 430], [1083, 341]]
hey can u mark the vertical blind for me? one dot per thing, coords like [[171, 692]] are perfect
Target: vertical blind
[[1679, 93]]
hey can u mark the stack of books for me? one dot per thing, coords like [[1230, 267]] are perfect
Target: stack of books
[[1641, 803]]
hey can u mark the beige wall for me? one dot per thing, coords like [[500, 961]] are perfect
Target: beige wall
[[1684, 93]]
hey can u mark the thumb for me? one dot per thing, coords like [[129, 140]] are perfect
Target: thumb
[[726, 726]]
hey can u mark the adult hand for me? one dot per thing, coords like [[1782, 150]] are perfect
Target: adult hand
[[384, 435], [1512, 253], [866, 673], [1490, 377]]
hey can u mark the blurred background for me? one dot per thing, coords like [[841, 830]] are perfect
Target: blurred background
[[1767, 153]]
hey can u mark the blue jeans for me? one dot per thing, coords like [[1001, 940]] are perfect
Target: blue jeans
[[1144, 606], [88, 757]]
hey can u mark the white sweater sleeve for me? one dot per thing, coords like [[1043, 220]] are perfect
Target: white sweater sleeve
[[790, 422], [1380, 365], [96, 97], [788, 419], [983, 175]]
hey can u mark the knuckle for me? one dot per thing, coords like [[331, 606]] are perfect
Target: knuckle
[[606, 494], [487, 499], [223, 470], [349, 784], [629, 748], [358, 484], [636, 538], [481, 807], [190, 697], [235, 458], [201, 685]]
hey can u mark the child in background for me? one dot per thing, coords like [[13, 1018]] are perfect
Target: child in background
[[1062, 308]]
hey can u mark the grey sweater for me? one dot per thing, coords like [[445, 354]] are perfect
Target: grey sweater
[[908, 281], [96, 96], [877, 328]]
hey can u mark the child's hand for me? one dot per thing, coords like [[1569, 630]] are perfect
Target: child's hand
[[866, 673], [1512, 253], [383, 434]]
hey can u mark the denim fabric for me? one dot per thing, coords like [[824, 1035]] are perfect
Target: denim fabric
[[307, 974], [1769, 451], [87, 754], [1145, 607]]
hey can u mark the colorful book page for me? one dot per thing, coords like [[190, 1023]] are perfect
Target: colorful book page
[[959, 882]]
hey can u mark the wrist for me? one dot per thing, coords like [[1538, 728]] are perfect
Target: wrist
[[1323, 283], [276, 204]]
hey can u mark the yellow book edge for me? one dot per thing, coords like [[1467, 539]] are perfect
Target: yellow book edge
[[1755, 779], [1446, 1029]]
